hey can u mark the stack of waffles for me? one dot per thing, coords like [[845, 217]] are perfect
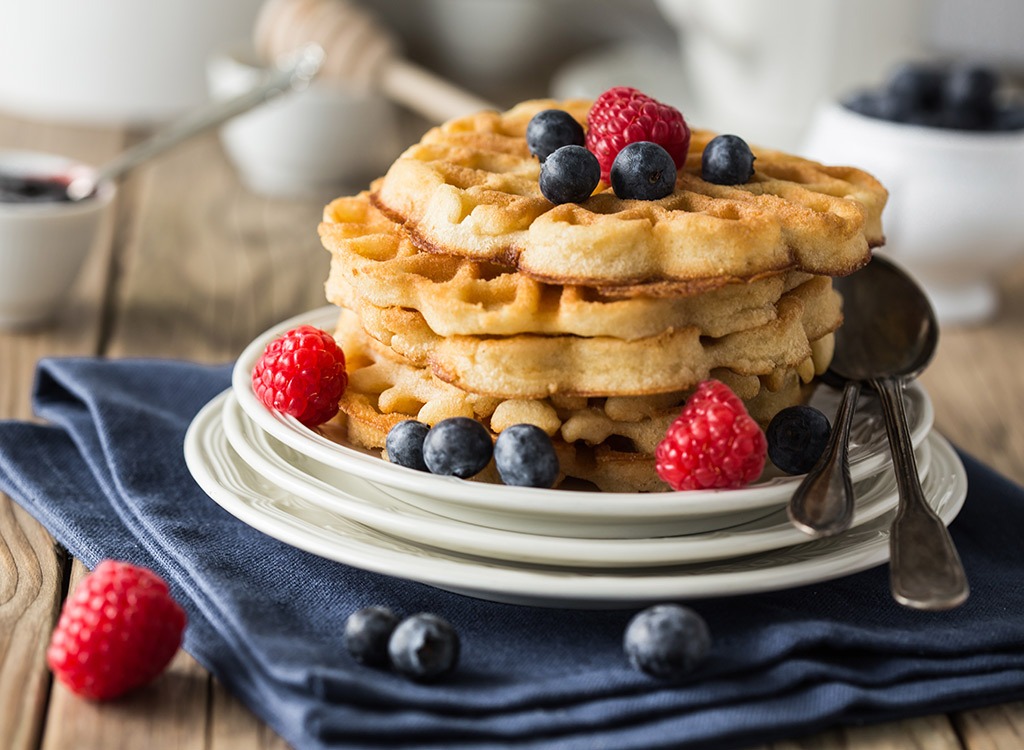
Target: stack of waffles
[[464, 292]]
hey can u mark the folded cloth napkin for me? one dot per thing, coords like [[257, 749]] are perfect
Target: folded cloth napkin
[[107, 477]]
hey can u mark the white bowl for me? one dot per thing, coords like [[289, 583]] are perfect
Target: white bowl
[[314, 142], [953, 217], [43, 245]]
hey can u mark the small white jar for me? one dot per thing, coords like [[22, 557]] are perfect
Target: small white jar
[[314, 142], [43, 244]]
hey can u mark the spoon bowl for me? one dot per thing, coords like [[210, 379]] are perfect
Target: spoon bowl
[[889, 327]]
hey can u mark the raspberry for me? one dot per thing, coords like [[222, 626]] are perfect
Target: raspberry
[[713, 443], [623, 115], [302, 373], [118, 631]]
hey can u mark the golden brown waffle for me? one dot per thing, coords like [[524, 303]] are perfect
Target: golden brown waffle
[[609, 442], [374, 258], [470, 188], [529, 366]]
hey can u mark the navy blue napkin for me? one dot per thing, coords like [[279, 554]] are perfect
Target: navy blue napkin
[[106, 476]]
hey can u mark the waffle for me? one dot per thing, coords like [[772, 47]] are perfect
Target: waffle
[[529, 366], [374, 259], [470, 188], [608, 442]]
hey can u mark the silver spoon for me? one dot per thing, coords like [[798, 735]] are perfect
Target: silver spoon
[[293, 72], [823, 503], [888, 337]]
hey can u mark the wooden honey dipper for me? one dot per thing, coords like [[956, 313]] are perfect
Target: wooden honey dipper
[[360, 52]]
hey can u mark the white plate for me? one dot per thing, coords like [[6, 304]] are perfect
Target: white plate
[[519, 508], [283, 515], [364, 502]]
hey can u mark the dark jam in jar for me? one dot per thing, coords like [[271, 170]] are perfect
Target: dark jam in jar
[[16, 188]]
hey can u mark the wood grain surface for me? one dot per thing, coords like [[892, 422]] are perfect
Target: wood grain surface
[[193, 266]]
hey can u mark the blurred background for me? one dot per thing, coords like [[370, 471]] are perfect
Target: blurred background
[[741, 66], [732, 64], [758, 69]]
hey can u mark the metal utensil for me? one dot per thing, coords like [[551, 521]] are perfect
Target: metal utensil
[[823, 503], [294, 71], [888, 337]]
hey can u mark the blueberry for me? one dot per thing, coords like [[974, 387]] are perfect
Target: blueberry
[[667, 640], [797, 437], [643, 170], [525, 457], [969, 98], [551, 129], [970, 86], [925, 118], [1010, 118], [569, 175], [881, 105], [967, 119], [727, 160], [367, 632], [863, 103], [424, 647], [404, 444], [918, 87], [457, 446]]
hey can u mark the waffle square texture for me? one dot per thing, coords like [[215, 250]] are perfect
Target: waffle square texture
[[470, 188]]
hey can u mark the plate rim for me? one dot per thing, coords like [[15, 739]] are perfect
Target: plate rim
[[534, 548], [565, 587], [697, 503]]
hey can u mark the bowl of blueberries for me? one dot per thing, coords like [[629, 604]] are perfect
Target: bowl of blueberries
[[947, 140]]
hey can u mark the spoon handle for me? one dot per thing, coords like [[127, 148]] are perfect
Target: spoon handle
[[924, 568], [823, 503], [296, 72]]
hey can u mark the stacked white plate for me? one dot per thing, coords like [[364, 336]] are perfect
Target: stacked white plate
[[561, 548]]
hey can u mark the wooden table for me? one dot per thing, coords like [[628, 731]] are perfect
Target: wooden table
[[193, 266]]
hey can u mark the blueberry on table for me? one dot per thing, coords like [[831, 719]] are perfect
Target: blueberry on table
[[551, 129], [569, 175], [727, 160], [457, 446], [404, 444], [797, 437], [367, 633], [525, 457], [667, 640], [643, 170], [424, 647]]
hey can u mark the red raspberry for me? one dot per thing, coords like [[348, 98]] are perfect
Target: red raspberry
[[713, 443], [118, 630], [623, 115], [302, 373]]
